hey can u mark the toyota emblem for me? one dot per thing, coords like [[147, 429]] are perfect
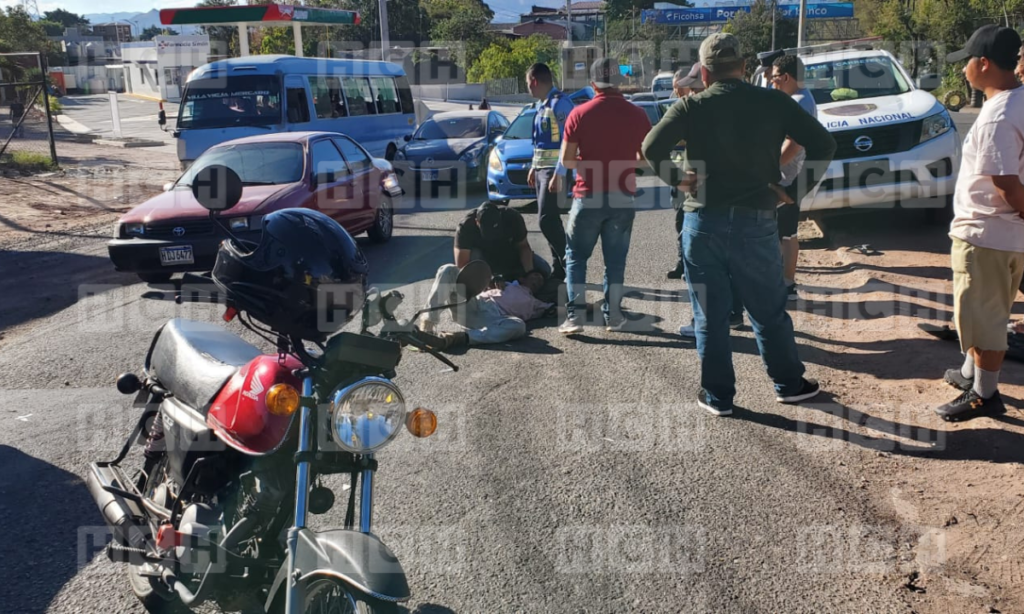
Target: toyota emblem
[[178, 231], [863, 143]]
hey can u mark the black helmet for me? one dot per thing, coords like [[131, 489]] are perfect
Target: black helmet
[[306, 279]]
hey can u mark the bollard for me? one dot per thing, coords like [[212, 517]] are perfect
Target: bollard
[[115, 117]]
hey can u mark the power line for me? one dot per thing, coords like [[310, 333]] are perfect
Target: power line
[[31, 7]]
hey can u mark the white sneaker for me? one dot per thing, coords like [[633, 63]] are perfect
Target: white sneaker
[[570, 327]]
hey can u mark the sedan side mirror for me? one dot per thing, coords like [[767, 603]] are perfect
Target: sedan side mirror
[[407, 138]]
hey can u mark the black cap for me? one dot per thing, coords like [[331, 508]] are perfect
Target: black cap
[[605, 73], [488, 218], [998, 44]]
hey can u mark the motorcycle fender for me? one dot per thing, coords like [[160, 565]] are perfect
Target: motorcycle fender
[[362, 561]]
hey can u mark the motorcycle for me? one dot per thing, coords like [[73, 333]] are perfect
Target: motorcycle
[[235, 446]]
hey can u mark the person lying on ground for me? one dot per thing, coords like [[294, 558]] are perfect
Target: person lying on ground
[[496, 315]]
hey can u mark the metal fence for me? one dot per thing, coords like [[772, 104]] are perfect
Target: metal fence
[[503, 87], [26, 125]]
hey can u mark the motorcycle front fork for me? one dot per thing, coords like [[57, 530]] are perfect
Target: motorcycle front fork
[[295, 593]]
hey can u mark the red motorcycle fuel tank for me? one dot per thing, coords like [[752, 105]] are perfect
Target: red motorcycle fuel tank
[[239, 414]]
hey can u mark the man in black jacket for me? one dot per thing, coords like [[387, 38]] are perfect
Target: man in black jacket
[[734, 133]]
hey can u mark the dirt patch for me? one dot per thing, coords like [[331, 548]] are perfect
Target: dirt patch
[[95, 184], [957, 487]]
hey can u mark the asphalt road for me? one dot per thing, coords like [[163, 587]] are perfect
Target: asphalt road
[[568, 475]]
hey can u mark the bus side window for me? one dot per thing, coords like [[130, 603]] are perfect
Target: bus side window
[[405, 95], [359, 95], [298, 106], [387, 98]]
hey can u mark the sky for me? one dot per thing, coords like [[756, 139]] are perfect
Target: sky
[[102, 6]]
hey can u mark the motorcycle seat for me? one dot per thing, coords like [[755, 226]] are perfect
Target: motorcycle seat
[[194, 360]]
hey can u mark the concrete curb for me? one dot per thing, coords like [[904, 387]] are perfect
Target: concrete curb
[[72, 126]]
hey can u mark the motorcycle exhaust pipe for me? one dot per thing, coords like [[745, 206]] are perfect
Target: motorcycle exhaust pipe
[[115, 510]]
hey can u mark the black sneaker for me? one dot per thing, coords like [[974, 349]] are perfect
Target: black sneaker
[[705, 402], [970, 405], [808, 390], [676, 273], [615, 325], [956, 379]]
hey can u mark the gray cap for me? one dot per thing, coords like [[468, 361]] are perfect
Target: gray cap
[[691, 79], [719, 49], [605, 73]]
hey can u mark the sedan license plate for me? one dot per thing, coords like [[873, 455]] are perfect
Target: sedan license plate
[[180, 254], [429, 175], [868, 173]]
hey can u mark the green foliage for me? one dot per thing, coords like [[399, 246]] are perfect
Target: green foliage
[[152, 32], [18, 32], [65, 18], [56, 108], [223, 39], [28, 162], [52, 28], [754, 30], [502, 60], [461, 21], [278, 40]]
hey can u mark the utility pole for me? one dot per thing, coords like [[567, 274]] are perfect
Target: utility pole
[[384, 42], [800, 24], [775, 15]]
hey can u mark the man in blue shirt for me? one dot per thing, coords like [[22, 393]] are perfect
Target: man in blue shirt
[[546, 172]]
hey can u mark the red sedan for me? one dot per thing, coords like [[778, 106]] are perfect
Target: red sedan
[[325, 171]]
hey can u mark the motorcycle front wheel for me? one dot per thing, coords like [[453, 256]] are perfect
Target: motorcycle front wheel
[[331, 596]]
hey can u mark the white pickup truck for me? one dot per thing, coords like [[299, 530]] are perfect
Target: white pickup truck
[[897, 145]]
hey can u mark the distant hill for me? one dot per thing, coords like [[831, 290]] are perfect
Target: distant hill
[[139, 20]]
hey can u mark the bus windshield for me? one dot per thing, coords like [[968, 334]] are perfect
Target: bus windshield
[[255, 163], [854, 79], [521, 128], [252, 100]]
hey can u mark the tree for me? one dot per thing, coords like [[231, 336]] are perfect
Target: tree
[[152, 32], [461, 21], [52, 28], [18, 32], [66, 19], [223, 39], [503, 60], [754, 30], [278, 40]]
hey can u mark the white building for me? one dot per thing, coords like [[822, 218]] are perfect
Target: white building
[[159, 68]]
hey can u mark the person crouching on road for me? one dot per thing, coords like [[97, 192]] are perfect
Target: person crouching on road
[[546, 171], [987, 228], [602, 143], [788, 76], [496, 315], [497, 235], [730, 237]]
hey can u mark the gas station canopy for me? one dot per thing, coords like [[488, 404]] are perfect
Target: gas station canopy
[[262, 15]]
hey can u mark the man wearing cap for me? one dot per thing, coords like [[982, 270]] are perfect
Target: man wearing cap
[[546, 171], [497, 234], [686, 82], [734, 133], [988, 228], [602, 144]]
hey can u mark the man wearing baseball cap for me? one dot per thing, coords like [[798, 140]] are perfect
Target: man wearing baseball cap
[[987, 229], [686, 82], [602, 144], [734, 133]]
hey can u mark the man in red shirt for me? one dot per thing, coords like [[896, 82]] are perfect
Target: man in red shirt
[[602, 143]]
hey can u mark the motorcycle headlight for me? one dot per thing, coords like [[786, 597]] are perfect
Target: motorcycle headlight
[[367, 415], [935, 125], [495, 162]]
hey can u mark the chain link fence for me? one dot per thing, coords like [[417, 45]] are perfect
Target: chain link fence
[[26, 124], [503, 87]]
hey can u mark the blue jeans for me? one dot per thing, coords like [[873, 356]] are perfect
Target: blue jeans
[[737, 250], [608, 217]]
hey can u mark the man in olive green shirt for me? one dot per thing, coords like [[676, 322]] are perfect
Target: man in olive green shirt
[[734, 133]]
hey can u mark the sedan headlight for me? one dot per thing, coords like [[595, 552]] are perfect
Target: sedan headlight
[[472, 155], [935, 126], [367, 415], [495, 162], [134, 230]]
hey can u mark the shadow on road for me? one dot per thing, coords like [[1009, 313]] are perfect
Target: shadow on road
[[406, 259], [41, 510], [37, 284], [994, 445]]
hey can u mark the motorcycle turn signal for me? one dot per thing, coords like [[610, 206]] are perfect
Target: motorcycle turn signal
[[282, 400], [421, 422]]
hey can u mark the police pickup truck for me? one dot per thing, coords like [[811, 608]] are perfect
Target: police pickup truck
[[897, 145]]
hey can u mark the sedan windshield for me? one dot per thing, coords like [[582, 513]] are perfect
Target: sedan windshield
[[521, 128], [252, 100], [451, 128], [854, 79], [255, 163]]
